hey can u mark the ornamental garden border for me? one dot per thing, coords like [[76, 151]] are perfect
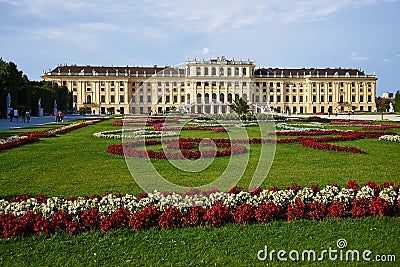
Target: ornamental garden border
[[24, 216]]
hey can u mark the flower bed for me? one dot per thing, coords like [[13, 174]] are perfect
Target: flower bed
[[343, 122], [134, 134], [381, 127], [15, 141], [321, 142], [391, 138], [23, 216], [183, 144], [30, 137]]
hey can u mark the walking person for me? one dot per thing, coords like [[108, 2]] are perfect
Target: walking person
[[23, 114], [28, 116], [16, 114], [11, 114]]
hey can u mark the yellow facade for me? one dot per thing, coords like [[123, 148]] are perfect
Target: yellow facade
[[209, 86]]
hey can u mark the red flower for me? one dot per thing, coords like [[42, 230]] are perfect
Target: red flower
[[352, 184], [379, 207], [317, 211], [360, 207], [296, 211], [336, 210], [267, 212], [91, 218], [171, 217], [218, 215], [244, 214]]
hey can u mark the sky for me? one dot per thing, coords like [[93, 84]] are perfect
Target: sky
[[39, 35]]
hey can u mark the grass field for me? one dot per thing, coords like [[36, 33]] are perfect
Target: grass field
[[76, 163]]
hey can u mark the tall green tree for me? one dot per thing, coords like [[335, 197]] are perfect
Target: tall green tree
[[397, 101], [241, 107]]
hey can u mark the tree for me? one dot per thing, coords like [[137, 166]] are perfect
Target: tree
[[241, 107], [84, 110], [397, 101]]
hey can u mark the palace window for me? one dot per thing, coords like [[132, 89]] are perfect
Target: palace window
[[229, 72], [213, 71], [294, 98], [102, 89], [112, 99], [149, 98], [88, 83], [102, 98], [121, 99], [287, 98], [112, 83], [198, 71], [121, 83], [74, 83], [206, 71], [301, 99], [278, 84], [236, 71], [141, 99], [221, 71], [244, 71]]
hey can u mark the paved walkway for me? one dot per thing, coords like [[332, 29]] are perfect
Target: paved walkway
[[35, 121]]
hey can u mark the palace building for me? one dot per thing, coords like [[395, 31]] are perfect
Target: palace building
[[209, 86]]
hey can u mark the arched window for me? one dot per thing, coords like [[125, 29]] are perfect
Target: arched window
[[230, 98], [89, 99], [213, 71], [207, 98], [198, 98], [206, 71], [187, 98], [214, 97], [198, 71], [222, 98]]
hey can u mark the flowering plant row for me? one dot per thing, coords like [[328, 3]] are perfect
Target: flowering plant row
[[133, 134], [30, 137], [145, 121], [321, 142], [161, 127], [381, 127], [343, 122], [185, 145], [391, 138], [39, 215], [15, 141]]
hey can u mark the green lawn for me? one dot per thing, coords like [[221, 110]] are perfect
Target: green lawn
[[76, 163]]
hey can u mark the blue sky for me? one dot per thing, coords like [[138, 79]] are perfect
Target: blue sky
[[38, 35]]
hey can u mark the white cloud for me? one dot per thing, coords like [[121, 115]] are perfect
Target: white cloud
[[357, 57], [386, 60], [205, 51]]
